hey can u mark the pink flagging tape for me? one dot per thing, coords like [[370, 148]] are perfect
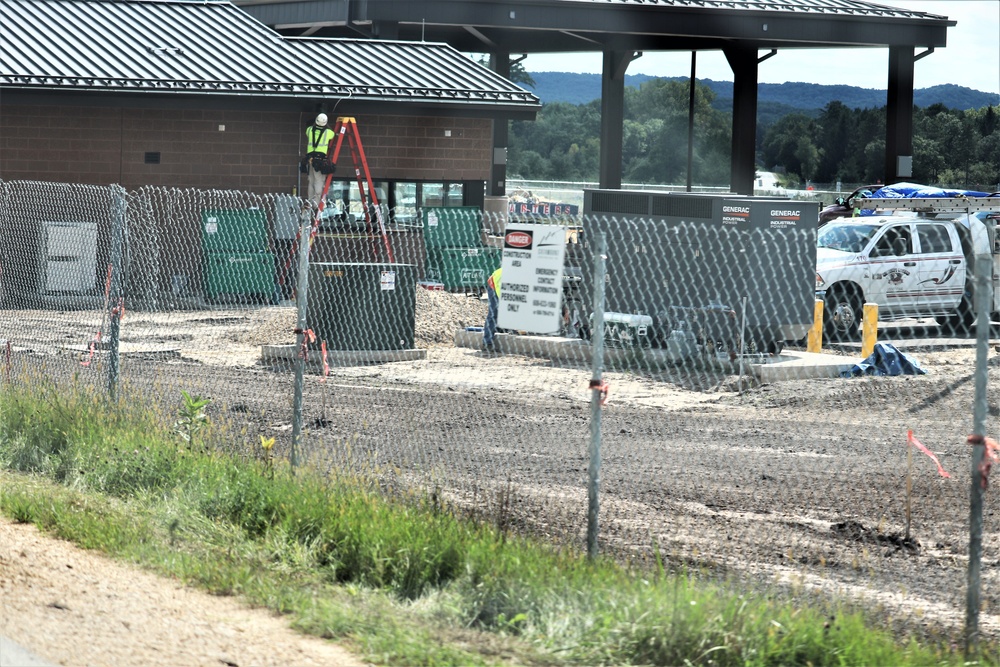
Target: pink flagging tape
[[326, 365], [90, 350], [916, 443]]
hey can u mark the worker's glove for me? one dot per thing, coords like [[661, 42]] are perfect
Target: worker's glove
[[304, 165]]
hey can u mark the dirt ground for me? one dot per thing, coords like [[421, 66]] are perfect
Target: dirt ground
[[799, 484], [74, 607]]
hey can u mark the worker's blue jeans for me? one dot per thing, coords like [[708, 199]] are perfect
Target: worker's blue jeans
[[490, 328]]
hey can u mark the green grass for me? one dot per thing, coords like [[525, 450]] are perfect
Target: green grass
[[401, 581]]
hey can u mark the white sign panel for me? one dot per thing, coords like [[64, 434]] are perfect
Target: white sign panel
[[532, 278]]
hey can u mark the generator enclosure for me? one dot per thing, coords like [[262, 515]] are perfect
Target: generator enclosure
[[692, 260], [236, 257], [362, 307]]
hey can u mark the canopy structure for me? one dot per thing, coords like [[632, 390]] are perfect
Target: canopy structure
[[622, 29]]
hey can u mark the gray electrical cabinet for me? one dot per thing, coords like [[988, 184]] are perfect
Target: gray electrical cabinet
[[700, 257], [69, 257], [355, 306]]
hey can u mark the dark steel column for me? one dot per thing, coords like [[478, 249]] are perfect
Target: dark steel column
[[385, 30], [613, 116], [899, 115], [497, 186], [743, 62]]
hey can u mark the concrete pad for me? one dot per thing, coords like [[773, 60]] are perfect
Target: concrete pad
[[288, 353], [795, 365], [790, 365], [15, 655]]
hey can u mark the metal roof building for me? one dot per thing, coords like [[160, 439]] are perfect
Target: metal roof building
[[197, 93], [178, 47], [622, 29]]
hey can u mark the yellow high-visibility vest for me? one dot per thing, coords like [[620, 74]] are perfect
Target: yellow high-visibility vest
[[318, 140], [494, 281]]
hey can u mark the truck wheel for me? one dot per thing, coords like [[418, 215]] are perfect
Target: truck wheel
[[841, 314]]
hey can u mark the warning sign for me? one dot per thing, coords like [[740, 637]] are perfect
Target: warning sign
[[531, 282]]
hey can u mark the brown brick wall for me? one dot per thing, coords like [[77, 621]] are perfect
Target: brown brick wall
[[257, 151]]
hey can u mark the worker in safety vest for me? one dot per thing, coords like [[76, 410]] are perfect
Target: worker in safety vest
[[318, 138], [493, 294]]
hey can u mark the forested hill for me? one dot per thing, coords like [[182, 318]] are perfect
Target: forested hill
[[582, 88]]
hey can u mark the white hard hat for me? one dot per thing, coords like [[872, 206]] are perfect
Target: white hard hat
[[321, 120]]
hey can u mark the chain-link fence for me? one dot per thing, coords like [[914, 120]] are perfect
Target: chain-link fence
[[723, 443]]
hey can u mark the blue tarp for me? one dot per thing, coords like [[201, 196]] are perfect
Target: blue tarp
[[901, 190], [885, 360]]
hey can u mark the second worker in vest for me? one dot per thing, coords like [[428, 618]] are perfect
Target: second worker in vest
[[318, 138], [492, 311]]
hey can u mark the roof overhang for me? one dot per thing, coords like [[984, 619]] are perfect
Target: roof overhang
[[540, 26]]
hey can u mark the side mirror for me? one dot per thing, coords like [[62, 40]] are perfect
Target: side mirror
[[840, 201]]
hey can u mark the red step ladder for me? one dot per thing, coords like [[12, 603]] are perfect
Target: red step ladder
[[347, 126]]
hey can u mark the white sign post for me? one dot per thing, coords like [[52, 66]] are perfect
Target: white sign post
[[532, 279]]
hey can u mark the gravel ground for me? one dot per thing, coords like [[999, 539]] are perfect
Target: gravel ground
[[800, 484]]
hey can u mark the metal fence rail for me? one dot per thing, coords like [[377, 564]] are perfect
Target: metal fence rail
[[798, 482]]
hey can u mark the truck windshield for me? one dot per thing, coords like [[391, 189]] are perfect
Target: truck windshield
[[848, 238]]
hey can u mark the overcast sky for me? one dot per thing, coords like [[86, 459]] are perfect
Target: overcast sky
[[971, 59]]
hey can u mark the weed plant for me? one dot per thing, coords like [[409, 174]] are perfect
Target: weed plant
[[400, 580]]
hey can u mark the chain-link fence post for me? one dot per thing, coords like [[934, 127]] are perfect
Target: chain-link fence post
[[301, 345], [600, 246], [116, 288], [982, 292]]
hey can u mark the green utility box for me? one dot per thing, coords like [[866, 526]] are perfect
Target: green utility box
[[355, 306], [452, 226], [239, 273], [234, 230], [460, 268]]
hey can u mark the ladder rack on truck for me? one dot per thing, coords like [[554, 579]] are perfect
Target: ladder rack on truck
[[932, 204]]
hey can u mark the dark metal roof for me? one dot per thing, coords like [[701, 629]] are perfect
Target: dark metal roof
[[401, 70], [212, 47], [541, 26], [824, 7]]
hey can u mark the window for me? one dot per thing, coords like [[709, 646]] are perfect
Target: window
[[400, 201], [344, 208], [896, 242], [404, 206], [934, 239], [441, 194], [845, 237]]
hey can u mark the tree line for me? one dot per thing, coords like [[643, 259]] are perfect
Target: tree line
[[951, 148]]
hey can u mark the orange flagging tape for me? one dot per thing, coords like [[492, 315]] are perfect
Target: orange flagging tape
[[916, 443], [602, 387], [308, 336], [990, 456]]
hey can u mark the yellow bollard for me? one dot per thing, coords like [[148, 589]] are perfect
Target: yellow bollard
[[869, 334], [814, 340]]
